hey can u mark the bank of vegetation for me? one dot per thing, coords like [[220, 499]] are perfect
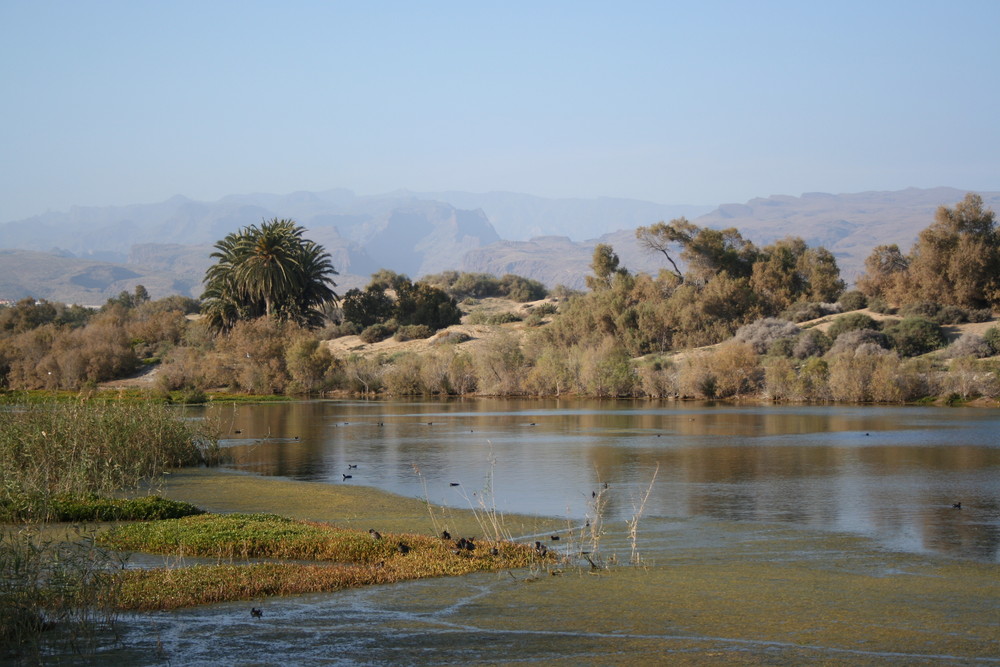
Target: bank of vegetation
[[724, 318]]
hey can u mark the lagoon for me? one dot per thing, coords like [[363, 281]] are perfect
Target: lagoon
[[891, 474], [771, 535]]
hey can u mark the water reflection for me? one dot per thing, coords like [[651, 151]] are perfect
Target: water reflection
[[889, 473]]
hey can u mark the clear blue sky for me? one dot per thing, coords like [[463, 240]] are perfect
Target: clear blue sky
[[107, 103]]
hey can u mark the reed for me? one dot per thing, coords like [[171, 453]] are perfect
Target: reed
[[58, 585], [51, 449], [633, 523]]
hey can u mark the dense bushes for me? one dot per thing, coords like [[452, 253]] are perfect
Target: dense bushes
[[483, 285]]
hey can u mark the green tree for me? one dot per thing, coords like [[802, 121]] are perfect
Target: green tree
[[605, 265], [268, 270]]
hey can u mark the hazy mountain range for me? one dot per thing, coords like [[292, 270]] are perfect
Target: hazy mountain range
[[87, 254]]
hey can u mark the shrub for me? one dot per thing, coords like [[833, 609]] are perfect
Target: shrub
[[341, 330], [544, 309], [980, 315], [493, 319], [850, 322], [952, 315], [519, 288], [992, 338], [809, 310], [413, 332], [376, 333], [811, 343], [969, 345], [926, 309], [914, 336], [452, 338], [783, 347], [850, 341], [877, 304], [853, 300], [762, 333]]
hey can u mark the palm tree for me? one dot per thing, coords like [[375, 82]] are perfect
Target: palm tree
[[268, 270]]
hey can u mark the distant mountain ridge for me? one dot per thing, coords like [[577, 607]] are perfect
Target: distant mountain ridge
[[95, 252]]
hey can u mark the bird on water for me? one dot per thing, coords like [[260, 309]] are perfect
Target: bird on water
[[255, 612]]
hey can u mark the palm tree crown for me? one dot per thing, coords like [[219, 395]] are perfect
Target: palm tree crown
[[268, 270]]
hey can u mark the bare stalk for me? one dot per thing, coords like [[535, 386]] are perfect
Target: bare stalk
[[633, 523]]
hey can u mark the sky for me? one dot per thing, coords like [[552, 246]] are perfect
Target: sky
[[709, 102]]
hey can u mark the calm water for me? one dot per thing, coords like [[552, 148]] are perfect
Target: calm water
[[889, 473]]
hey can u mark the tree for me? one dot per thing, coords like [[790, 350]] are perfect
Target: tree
[[605, 267], [268, 270], [955, 261], [707, 252], [414, 304]]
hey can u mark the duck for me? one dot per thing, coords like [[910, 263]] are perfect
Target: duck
[[256, 613], [957, 506], [375, 534], [403, 548], [346, 476], [445, 535]]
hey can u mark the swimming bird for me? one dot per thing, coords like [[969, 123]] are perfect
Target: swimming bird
[[346, 477], [453, 484], [256, 613], [352, 465], [957, 506], [555, 538], [237, 431], [374, 533]]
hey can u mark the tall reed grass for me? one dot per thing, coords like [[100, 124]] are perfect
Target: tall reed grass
[[51, 449]]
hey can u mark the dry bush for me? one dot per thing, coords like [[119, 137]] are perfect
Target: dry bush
[[737, 370], [462, 373], [500, 366], [402, 377], [606, 371], [695, 378], [969, 345], [309, 365], [658, 380], [850, 341], [779, 379], [763, 333]]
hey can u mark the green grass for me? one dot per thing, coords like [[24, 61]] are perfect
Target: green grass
[[92, 507]]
